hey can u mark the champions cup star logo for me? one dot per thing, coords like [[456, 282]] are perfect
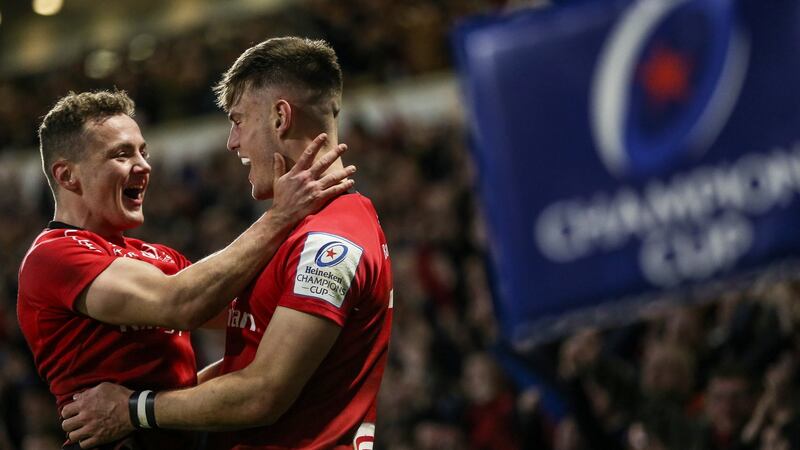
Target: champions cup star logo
[[665, 76], [330, 254], [666, 81]]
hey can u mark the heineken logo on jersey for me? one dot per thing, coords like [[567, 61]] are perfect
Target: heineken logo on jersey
[[326, 268]]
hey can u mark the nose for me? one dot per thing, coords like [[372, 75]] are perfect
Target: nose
[[141, 165], [233, 139]]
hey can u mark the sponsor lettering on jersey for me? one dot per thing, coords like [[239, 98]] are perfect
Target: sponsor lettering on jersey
[[82, 242], [327, 266], [152, 253], [147, 251], [241, 319]]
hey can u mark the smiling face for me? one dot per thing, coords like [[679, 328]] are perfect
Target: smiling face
[[113, 175], [253, 138]]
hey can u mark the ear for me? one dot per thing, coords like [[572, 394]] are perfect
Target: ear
[[283, 121], [64, 174]]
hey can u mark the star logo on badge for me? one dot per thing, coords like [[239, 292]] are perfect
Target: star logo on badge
[[666, 75]]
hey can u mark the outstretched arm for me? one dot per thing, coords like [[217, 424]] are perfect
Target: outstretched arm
[[132, 292], [293, 346]]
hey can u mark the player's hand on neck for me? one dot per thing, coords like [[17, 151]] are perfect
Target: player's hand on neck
[[295, 147]]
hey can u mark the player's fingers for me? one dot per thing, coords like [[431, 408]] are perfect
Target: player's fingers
[[80, 435], [335, 177], [70, 410], [278, 166], [91, 442], [325, 161], [307, 158], [70, 425], [337, 189]]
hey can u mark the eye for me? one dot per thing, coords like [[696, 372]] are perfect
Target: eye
[[145, 154]]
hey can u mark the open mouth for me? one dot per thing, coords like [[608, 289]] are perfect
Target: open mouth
[[133, 193], [245, 161]]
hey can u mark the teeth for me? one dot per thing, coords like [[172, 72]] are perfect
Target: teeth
[[245, 161]]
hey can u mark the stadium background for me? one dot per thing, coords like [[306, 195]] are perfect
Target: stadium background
[[669, 380]]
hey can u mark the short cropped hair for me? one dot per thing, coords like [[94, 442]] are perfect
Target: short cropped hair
[[285, 61], [61, 132]]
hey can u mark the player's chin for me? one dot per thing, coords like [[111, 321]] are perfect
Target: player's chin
[[134, 218]]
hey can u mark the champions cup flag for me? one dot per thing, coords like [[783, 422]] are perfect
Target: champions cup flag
[[631, 147]]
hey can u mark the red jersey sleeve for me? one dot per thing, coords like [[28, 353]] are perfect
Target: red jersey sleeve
[[322, 275], [61, 266]]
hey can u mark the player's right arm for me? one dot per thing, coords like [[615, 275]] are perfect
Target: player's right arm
[[132, 292], [211, 371]]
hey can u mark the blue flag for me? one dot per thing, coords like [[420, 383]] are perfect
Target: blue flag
[[629, 148]]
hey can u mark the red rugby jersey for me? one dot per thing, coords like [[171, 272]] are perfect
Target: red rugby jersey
[[73, 352], [335, 265]]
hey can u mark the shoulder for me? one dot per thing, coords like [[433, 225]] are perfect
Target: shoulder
[[345, 228], [61, 256], [51, 242], [67, 235], [348, 215]]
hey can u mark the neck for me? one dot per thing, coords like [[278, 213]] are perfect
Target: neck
[[83, 218], [329, 145]]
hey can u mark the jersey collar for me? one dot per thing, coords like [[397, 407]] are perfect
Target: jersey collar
[[55, 225]]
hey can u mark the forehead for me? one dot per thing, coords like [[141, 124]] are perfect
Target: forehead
[[113, 131]]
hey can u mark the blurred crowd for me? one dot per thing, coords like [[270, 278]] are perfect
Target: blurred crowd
[[721, 375], [169, 76], [713, 374]]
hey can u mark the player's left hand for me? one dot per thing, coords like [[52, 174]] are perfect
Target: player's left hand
[[98, 415]]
